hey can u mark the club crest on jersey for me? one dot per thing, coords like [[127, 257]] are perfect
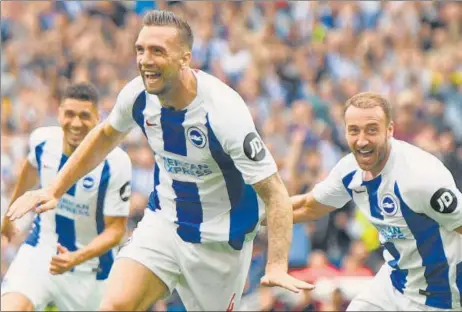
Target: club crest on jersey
[[389, 205], [88, 183], [197, 137]]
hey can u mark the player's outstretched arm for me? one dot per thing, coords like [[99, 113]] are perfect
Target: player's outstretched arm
[[91, 152], [280, 222], [113, 233], [306, 208], [28, 178]]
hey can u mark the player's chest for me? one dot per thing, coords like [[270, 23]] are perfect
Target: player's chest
[[81, 196], [380, 201], [179, 135]]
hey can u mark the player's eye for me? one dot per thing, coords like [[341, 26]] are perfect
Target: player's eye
[[372, 130], [139, 49], [85, 116], [69, 114]]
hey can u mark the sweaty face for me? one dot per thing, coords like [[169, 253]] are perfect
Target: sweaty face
[[368, 135], [76, 118], [158, 55]]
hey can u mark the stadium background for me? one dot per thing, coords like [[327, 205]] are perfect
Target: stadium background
[[294, 63]]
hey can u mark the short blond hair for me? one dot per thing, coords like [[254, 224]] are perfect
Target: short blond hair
[[370, 100]]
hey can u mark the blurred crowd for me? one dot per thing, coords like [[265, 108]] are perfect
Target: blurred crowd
[[294, 63]]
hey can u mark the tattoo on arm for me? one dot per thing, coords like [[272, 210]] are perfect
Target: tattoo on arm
[[279, 218]]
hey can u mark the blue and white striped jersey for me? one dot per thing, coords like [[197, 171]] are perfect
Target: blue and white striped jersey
[[207, 157], [415, 205], [79, 217]]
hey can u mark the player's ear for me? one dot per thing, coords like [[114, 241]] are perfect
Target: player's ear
[[391, 129], [185, 60]]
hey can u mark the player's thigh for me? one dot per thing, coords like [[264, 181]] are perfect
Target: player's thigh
[[131, 287], [14, 301], [147, 263], [214, 276], [27, 282], [376, 295]]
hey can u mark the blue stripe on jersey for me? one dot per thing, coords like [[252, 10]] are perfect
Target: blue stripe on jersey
[[398, 276], [188, 211], [372, 190], [153, 203], [65, 227], [137, 111], [243, 199], [430, 247], [347, 180], [173, 131], [38, 156], [105, 260], [459, 279], [33, 237], [70, 191]]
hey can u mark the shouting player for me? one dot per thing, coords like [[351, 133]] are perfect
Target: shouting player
[[213, 178], [412, 199], [68, 254]]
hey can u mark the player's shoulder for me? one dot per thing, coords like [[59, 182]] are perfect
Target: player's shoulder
[[118, 158], [131, 91], [418, 169], [218, 97], [346, 165], [45, 134]]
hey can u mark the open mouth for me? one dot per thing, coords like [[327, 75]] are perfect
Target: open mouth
[[365, 152], [151, 76]]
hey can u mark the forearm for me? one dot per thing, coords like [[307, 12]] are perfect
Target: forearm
[[306, 208], [28, 178], [105, 241], [280, 223], [279, 219], [90, 153]]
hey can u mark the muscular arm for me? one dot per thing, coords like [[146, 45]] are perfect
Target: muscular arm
[[306, 208], [28, 178], [279, 219], [90, 153]]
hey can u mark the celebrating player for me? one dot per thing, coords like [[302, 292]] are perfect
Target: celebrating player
[[213, 178], [412, 199], [68, 254]]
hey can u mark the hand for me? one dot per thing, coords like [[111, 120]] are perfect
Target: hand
[[279, 277], [40, 200], [64, 261]]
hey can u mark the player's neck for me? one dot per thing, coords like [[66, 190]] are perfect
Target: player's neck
[[181, 95], [68, 149]]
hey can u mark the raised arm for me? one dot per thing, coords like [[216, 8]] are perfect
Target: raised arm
[[91, 152]]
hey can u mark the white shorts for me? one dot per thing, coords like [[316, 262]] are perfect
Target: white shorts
[[380, 295], [29, 275], [208, 276]]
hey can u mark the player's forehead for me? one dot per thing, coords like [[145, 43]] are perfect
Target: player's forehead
[[157, 36], [355, 116], [78, 106]]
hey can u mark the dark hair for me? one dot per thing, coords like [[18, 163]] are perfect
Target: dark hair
[[370, 100], [168, 18], [82, 91]]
